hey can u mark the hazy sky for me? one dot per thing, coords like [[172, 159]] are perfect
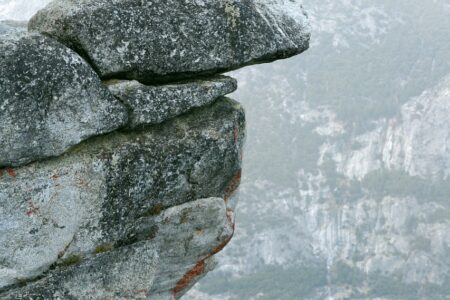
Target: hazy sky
[[20, 9]]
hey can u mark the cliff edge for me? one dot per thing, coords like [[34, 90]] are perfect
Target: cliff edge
[[120, 153]]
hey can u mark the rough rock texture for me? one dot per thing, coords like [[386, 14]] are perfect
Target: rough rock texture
[[105, 276], [162, 266], [157, 103], [50, 98], [123, 189], [171, 39], [69, 222]]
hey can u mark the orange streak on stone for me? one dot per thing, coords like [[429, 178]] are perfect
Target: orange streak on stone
[[11, 172], [184, 282], [1, 173], [221, 246], [233, 185], [198, 269]]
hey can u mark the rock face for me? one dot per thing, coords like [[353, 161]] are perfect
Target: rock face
[[111, 192], [155, 104], [164, 40], [50, 98], [121, 189], [399, 143], [149, 268]]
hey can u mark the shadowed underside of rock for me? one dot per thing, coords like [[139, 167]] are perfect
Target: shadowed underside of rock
[[155, 104], [163, 40], [120, 194], [50, 99]]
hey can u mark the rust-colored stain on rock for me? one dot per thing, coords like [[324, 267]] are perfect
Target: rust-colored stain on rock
[[11, 172], [233, 185], [198, 269], [184, 282], [32, 210]]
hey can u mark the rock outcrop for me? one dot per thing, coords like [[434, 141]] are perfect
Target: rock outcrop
[[51, 99], [105, 192], [155, 104], [172, 39], [137, 270], [120, 189]]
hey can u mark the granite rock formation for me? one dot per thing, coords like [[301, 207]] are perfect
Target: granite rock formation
[[172, 39], [105, 192], [51, 99], [121, 189], [157, 103]]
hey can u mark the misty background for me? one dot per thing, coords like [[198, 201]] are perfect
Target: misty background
[[346, 187]]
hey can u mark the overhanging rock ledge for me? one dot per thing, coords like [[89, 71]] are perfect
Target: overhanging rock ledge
[[120, 154]]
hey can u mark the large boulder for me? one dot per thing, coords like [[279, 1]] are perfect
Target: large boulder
[[153, 104], [161, 266], [50, 98], [112, 194], [164, 40]]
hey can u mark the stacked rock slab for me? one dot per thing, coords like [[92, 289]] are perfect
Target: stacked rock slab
[[155, 104], [122, 189], [51, 99], [163, 40], [125, 189]]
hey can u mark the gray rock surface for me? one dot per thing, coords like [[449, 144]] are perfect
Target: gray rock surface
[[90, 211], [165, 40], [105, 276], [161, 266], [70, 222], [157, 103], [50, 98]]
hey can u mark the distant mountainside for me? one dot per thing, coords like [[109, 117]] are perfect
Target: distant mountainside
[[346, 182]]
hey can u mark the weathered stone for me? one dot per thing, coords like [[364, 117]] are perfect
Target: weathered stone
[[164, 40], [118, 190], [155, 104], [188, 236], [50, 99], [159, 266], [126, 272]]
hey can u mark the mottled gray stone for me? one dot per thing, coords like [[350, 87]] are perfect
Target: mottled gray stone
[[126, 272], [121, 189], [163, 40], [50, 98], [157, 103], [187, 237]]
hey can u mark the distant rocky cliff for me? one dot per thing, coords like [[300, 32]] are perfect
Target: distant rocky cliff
[[355, 202], [119, 153]]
